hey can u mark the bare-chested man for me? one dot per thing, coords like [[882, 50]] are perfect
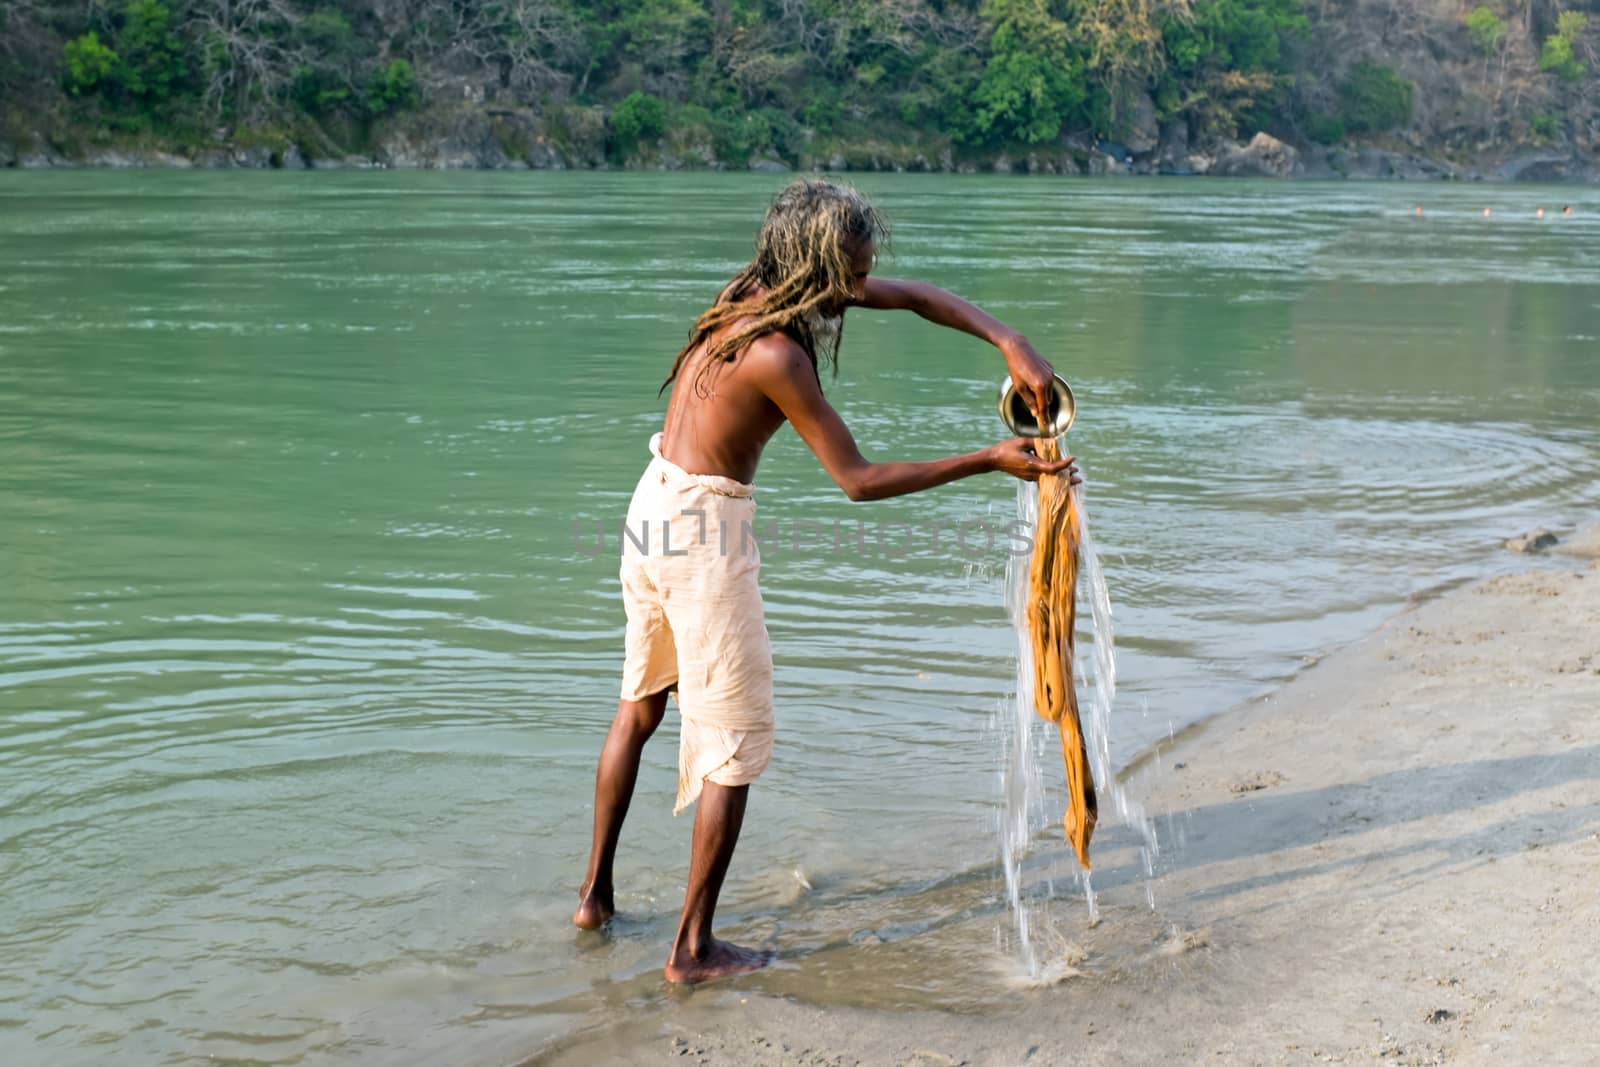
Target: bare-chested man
[[689, 566]]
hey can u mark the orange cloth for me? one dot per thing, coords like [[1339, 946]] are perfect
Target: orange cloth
[[1051, 614], [690, 570]]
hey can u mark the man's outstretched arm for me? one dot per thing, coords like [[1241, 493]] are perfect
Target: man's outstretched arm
[[1029, 370], [789, 379]]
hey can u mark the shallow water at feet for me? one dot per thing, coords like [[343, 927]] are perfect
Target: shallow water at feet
[[303, 669]]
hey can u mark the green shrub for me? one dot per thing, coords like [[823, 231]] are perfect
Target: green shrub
[[1026, 97], [1486, 28], [315, 92], [1033, 81], [1374, 97], [90, 64], [1557, 59], [393, 87], [822, 113], [639, 117], [1325, 129], [1545, 126]]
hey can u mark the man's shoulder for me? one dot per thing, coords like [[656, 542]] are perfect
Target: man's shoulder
[[777, 354]]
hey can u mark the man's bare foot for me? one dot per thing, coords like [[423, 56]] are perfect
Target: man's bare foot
[[719, 960], [594, 910]]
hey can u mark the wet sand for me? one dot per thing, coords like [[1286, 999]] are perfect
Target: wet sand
[[1391, 860]]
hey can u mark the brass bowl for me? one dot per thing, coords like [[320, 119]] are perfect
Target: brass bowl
[[1020, 421]]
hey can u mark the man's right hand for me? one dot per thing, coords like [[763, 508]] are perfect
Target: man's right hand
[[1017, 458]]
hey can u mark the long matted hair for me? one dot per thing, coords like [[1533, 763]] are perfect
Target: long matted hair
[[802, 266]]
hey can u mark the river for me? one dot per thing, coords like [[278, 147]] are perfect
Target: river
[[309, 637]]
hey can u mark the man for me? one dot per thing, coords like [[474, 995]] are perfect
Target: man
[[689, 566]]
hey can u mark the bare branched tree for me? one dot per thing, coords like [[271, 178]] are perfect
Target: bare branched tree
[[529, 44], [248, 54]]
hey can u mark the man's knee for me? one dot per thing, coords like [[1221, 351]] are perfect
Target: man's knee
[[644, 715]]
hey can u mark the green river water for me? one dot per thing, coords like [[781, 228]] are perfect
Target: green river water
[[308, 645]]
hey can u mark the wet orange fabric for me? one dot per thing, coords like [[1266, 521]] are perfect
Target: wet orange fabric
[[1051, 613]]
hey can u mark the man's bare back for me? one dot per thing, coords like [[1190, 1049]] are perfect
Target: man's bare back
[[719, 423]]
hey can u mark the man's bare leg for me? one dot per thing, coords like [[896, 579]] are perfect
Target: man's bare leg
[[613, 788], [696, 955]]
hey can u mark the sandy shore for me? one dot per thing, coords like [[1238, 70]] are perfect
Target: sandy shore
[[1395, 859]]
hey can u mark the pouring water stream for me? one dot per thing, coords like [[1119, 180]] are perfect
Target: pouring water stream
[[1026, 808]]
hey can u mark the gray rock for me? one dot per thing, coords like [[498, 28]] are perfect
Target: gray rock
[[769, 166], [1002, 164], [255, 157], [400, 153], [1541, 167], [1314, 163], [1101, 164], [471, 146], [8, 155], [38, 155], [1144, 132], [1173, 145], [542, 155], [1533, 541], [1369, 162], [216, 159], [115, 160], [292, 159], [1264, 157]]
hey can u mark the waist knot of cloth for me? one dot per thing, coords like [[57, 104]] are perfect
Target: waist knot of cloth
[[670, 474]]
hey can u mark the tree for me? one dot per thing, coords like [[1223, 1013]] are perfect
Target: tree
[[90, 64], [1033, 82], [1227, 61], [1486, 29], [1120, 44], [249, 53], [1559, 55], [154, 61], [327, 77]]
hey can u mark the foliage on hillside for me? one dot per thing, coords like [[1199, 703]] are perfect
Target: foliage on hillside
[[731, 80]]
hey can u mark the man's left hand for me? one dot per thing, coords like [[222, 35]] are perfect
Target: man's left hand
[[1032, 375]]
